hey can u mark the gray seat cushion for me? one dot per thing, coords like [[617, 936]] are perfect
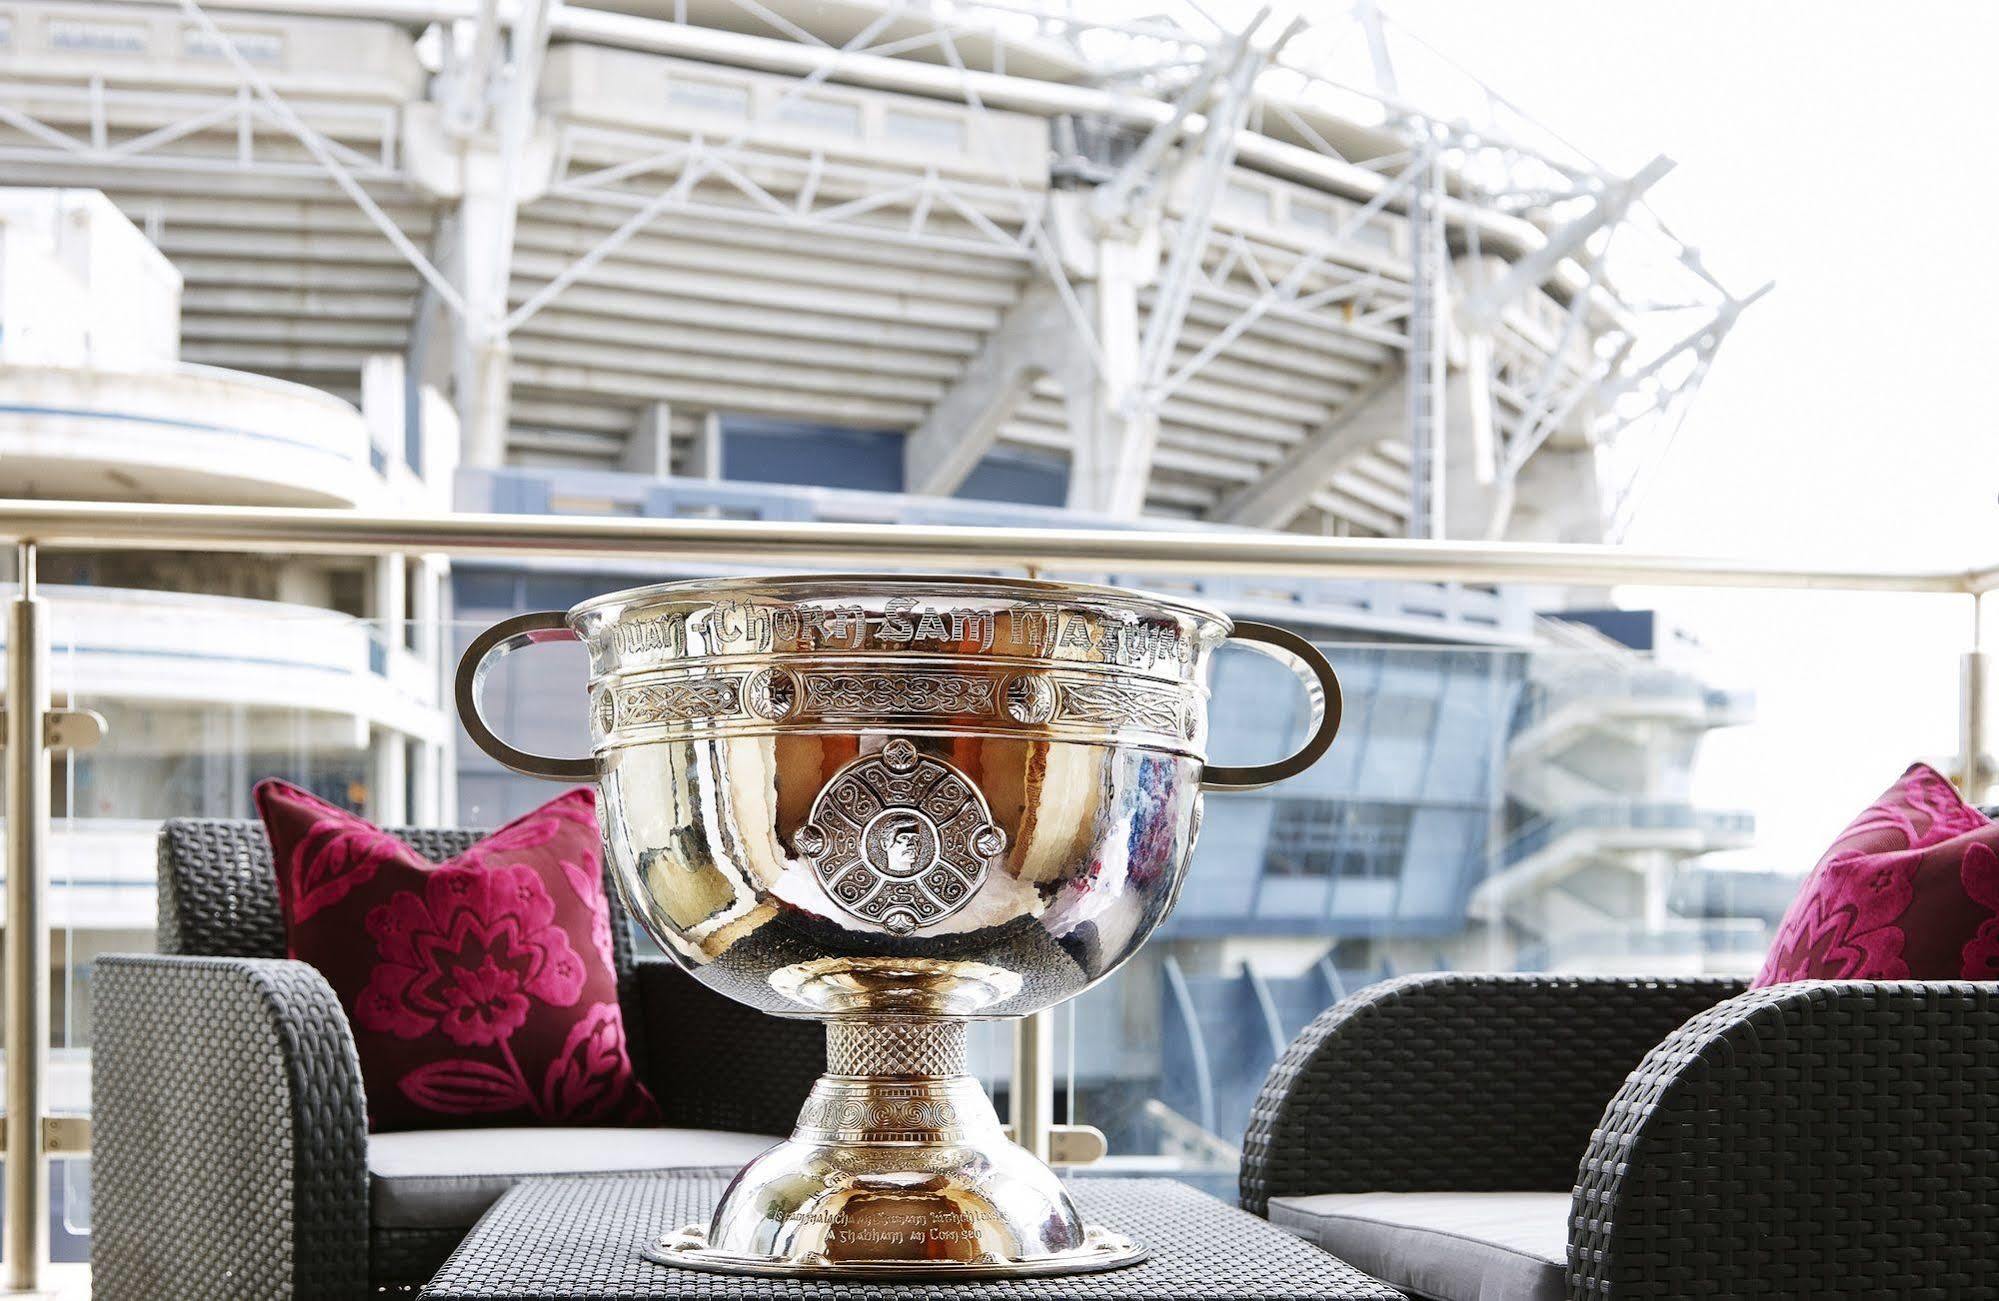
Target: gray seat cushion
[[446, 1178], [1443, 1246]]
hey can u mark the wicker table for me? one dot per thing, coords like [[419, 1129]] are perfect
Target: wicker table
[[578, 1237]]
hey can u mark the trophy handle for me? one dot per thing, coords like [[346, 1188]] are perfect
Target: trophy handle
[[1322, 686], [503, 638]]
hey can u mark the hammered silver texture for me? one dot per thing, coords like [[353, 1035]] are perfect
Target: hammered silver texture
[[896, 794]]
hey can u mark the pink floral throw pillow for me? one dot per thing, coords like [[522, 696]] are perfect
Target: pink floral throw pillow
[[482, 990], [1910, 891]]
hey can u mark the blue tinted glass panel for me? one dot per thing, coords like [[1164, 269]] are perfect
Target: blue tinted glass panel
[[1018, 477], [755, 450]]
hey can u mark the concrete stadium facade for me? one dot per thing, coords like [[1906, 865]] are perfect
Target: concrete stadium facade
[[842, 214]]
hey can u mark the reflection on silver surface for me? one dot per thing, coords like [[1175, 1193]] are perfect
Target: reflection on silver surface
[[895, 803]]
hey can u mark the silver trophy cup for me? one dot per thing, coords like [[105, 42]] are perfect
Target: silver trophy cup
[[898, 804]]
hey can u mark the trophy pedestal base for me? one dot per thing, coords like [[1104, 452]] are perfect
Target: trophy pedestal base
[[688, 1249], [898, 1169]]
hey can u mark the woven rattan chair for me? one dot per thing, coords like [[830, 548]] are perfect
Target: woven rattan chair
[[232, 1158], [1515, 1137]]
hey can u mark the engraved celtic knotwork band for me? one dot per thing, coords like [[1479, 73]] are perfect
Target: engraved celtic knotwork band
[[1056, 623], [895, 1081], [950, 1110], [1078, 704]]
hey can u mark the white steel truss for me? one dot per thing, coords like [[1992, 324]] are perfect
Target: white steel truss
[[1499, 246], [65, 124]]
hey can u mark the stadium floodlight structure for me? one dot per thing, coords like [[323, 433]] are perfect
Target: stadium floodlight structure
[[1257, 270]]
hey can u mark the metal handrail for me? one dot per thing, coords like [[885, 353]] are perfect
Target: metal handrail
[[66, 525]]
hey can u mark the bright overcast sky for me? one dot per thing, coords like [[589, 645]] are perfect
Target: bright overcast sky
[[1843, 150]]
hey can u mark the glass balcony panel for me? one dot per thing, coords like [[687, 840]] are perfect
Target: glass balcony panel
[[202, 698], [1495, 808], [1486, 806]]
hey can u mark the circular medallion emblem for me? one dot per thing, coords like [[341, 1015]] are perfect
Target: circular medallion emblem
[[1029, 699], [771, 693], [900, 838]]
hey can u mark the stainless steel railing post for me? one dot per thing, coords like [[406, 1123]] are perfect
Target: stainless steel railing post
[[1031, 1092], [27, 939], [1974, 736]]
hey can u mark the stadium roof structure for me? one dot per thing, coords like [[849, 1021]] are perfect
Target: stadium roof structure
[[1260, 271]]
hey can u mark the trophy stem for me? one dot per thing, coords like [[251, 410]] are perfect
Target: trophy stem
[[931, 1048], [898, 1168]]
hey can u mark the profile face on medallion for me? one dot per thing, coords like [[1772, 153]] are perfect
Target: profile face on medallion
[[899, 842]]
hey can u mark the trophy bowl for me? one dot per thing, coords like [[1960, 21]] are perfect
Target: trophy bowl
[[898, 804]]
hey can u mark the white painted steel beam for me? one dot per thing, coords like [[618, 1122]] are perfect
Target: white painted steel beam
[[1500, 231], [1373, 416], [1219, 138], [1112, 429], [649, 450], [1536, 268], [323, 153], [1035, 338]]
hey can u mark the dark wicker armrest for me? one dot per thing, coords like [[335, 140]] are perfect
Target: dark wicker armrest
[[714, 1063], [1808, 1140], [1478, 1083], [230, 1145]]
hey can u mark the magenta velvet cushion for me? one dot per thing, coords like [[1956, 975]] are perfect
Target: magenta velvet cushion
[[1909, 891], [481, 990]]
